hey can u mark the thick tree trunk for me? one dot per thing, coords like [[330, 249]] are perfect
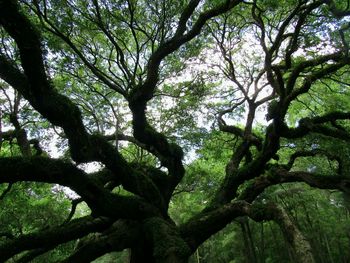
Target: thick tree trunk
[[145, 254], [142, 252], [159, 243]]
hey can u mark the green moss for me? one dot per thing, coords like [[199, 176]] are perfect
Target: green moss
[[166, 240]]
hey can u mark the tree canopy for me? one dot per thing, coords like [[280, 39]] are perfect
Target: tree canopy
[[171, 120]]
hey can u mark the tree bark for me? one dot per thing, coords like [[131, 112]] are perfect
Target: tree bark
[[142, 252], [295, 239]]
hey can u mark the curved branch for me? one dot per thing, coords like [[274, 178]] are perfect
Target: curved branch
[[75, 203], [281, 175], [144, 92], [294, 237], [103, 27], [103, 77], [40, 169], [185, 16], [58, 109], [198, 229], [341, 61], [237, 175], [205, 224], [237, 131], [320, 181], [318, 125], [121, 235], [123, 137], [52, 237], [294, 38], [34, 84], [169, 154], [315, 152], [300, 67]]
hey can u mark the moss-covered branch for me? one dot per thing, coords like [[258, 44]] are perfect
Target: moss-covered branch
[[169, 154], [54, 236], [319, 125], [281, 175], [168, 245], [121, 235], [294, 237], [205, 224], [40, 169], [58, 109]]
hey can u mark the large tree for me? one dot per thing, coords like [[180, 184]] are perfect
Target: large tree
[[114, 78]]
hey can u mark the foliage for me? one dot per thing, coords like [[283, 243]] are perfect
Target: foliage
[[174, 131]]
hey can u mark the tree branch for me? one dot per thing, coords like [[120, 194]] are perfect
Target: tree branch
[[315, 152], [169, 154], [205, 224], [54, 236], [100, 200], [58, 109], [318, 125], [75, 203], [121, 235], [281, 175], [301, 66], [294, 237]]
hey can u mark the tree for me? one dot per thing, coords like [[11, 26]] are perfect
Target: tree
[[104, 75]]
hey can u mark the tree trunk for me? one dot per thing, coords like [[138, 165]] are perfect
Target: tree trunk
[[294, 237], [142, 252], [160, 243]]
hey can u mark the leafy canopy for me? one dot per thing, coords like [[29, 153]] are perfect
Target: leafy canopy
[[169, 120]]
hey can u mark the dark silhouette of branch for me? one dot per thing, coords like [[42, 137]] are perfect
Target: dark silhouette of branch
[[40, 169], [121, 235], [53, 236], [75, 203]]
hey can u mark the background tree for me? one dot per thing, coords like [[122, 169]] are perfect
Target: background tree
[[136, 87]]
